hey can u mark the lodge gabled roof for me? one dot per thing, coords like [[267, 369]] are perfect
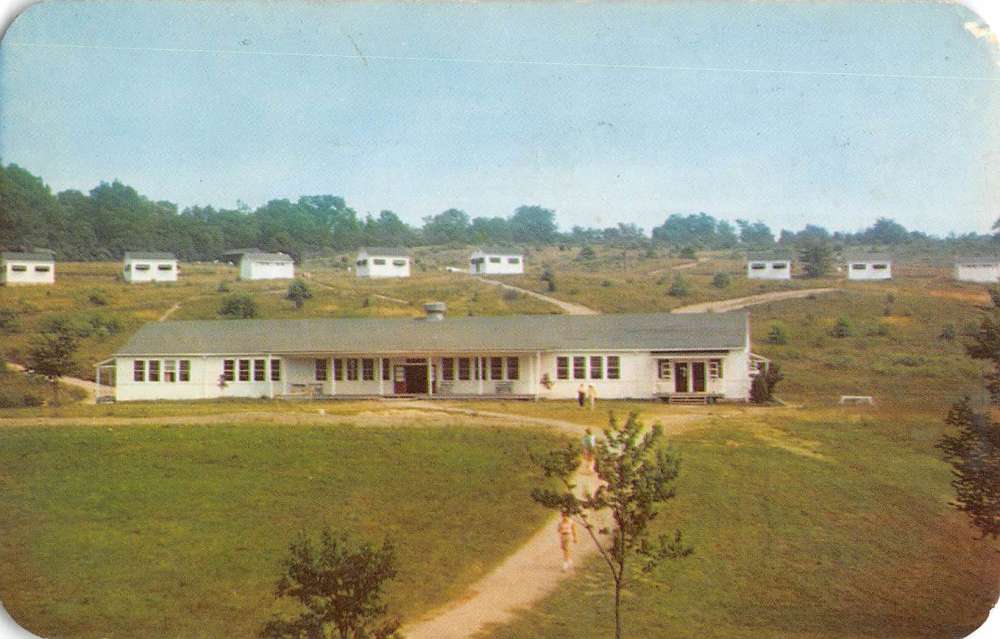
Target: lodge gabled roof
[[33, 256], [564, 333]]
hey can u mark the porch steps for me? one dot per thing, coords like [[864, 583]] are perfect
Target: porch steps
[[688, 399]]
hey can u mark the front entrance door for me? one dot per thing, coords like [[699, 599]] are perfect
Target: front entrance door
[[414, 379], [698, 376], [399, 380], [681, 377]]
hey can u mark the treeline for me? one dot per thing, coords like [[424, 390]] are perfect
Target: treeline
[[113, 218]]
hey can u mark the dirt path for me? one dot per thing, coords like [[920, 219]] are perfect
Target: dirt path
[[721, 306], [86, 385], [568, 307], [681, 267]]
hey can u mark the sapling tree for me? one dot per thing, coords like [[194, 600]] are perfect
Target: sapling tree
[[636, 475], [974, 453], [299, 292], [339, 586], [52, 354]]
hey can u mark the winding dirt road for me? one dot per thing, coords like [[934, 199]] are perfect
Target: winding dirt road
[[86, 385], [721, 306], [569, 307]]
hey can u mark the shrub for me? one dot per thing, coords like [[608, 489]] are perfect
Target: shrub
[[777, 335], [223, 287], [586, 253], [762, 387], [550, 277], [9, 323], [842, 328], [238, 307], [680, 287], [298, 292], [720, 280], [890, 298], [98, 297], [688, 253], [879, 330], [509, 295], [948, 333], [607, 284]]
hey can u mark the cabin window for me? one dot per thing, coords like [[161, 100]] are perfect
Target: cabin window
[[494, 260], [386, 370], [138, 371], [666, 368], [275, 370], [715, 369], [260, 370], [322, 370], [596, 367], [513, 368], [447, 368], [184, 370], [20, 268], [858, 267], [399, 262], [463, 368], [513, 260], [779, 266], [154, 370], [229, 370], [368, 370], [614, 367], [378, 262], [42, 269], [165, 267], [142, 267], [496, 368], [352, 370], [579, 368], [562, 368], [338, 369], [758, 266], [170, 370], [361, 262], [880, 267], [244, 370]]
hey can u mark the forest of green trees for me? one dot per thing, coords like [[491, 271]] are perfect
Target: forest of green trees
[[114, 217]]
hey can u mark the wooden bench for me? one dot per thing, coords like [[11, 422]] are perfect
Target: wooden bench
[[857, 399]]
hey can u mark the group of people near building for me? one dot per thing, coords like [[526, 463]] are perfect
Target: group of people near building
[[586, 395]]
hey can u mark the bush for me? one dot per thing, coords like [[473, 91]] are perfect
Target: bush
[[298, 292], [949, 332], [688, 253], [9, 322], [238, 307], [720, 280], [509, 295], [777, 335], [223, 287], [762, 387], [890, 298], [586, 253], [680, 287], [842, 328], [607, 284], [550, 277], [98, 297], [879, 330]]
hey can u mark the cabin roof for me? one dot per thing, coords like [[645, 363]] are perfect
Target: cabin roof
[[499, 250], [149, 255], [267, 257], [568, 333], [977, 259], [34, 256], [867, 257], [385, 251], [770, 256]]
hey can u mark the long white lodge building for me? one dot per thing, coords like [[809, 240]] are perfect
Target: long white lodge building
[[686, 357]]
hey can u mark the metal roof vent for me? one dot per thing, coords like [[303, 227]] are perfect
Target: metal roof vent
[[435, 311]]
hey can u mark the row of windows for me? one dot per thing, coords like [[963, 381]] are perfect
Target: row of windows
[[492, 368], [862, 267], [495, 260], [245, 370], [146, 267], [599, 367], [378, 261], [350, 369], [666, 369], [21, 268], [170, 370]]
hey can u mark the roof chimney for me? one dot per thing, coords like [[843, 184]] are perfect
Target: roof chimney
[[435, 311]]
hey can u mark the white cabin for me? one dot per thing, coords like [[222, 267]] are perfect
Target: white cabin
[[18, 269], [266, 266], [496, 261], [140, 266], [977, 269], [869, 267], [382, 262], [681, 357], [769, 267]]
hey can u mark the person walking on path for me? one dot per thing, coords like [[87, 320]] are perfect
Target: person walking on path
[[581, 395], [592, 396], [567, 536], [589, 444]]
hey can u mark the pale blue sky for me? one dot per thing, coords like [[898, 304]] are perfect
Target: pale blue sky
[[828, 113]]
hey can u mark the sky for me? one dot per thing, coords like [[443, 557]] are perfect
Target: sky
[[830, 113]]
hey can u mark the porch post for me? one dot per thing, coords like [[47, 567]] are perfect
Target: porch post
[[482, 373], [430, 377], [270, 377], [381, 376], [538, 373], [331, 372]]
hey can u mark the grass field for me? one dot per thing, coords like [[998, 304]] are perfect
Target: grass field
[[804, 526], [180, 531]]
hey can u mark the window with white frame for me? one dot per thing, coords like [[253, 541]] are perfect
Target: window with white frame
[[154, 370], [715, 369], [447, 368], [513, 368], [338, 369], [275, 370], [463, 368], [596, 367], [138, 371], [352, 370], [579, 367], [184, 370], [666, 368], [229, 370], [170, 370], [368, 369], [322, 368], [614, 367], [244, 370], [562, 368], [260, 370], [496, 368]]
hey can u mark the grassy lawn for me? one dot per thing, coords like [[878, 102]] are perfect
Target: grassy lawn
[[162, 531], [803, 527]]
